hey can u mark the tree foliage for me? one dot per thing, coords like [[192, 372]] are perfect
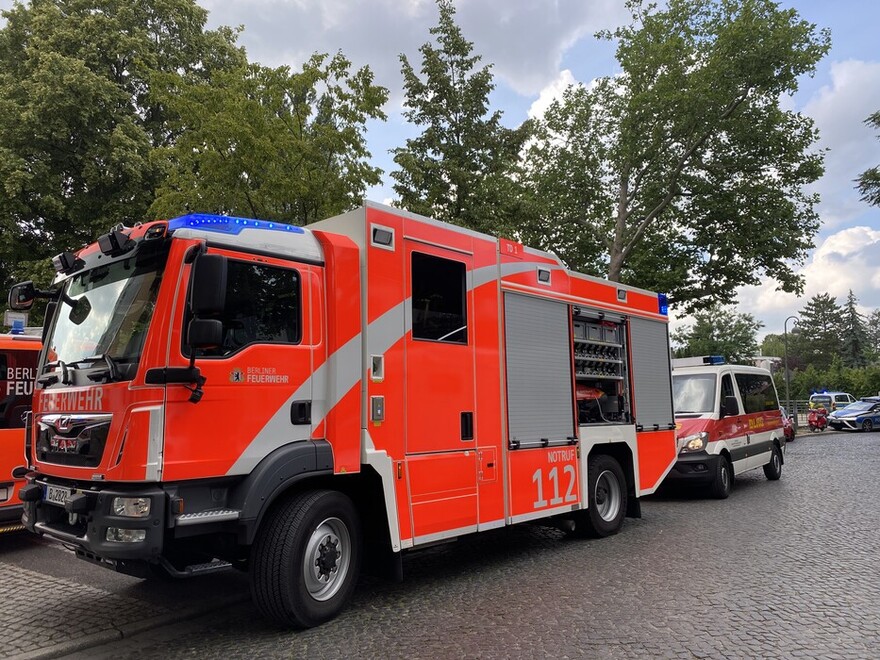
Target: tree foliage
[[869, 181], [463, 167], [270, 143], [719, 330], [820, 330], [79, 117], [853, 336], [683, 173]]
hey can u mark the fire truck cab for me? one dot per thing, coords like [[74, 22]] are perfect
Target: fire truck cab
[[290, 401], [18, 366]]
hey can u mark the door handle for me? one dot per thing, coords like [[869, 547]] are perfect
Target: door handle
[[301, 412], [467, 426]]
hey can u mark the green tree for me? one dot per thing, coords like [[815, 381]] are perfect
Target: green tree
[[872, 336], [79, 118], [270, 143], [719, 330], [869, 180], [853, 338], [821, 330], [683, 173], [463, 167]]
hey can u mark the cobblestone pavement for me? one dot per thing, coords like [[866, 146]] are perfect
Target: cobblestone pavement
[[781, 569]]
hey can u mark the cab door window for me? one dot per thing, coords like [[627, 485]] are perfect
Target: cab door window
[[263, 306], [728, 397]]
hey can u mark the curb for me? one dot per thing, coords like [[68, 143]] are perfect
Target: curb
[[128, 630]]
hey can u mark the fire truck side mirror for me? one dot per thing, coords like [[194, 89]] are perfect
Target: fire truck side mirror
[[208, 286], [22, 296], [204, 333]]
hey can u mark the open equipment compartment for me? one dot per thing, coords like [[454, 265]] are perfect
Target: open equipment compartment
[[600, 367]]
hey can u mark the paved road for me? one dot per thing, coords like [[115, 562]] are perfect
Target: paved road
[[781, 569]]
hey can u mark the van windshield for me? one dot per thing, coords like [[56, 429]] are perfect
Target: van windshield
[[693, 394]]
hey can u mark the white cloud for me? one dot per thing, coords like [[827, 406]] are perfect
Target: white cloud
[[844, 261], [839, 110], [550, 93], [523, 40]]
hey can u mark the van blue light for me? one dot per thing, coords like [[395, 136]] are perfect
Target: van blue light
[[227, 224]]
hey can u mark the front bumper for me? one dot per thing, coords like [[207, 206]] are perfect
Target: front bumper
[[10, 514], [696, 468], [844, 424], [84, 520]]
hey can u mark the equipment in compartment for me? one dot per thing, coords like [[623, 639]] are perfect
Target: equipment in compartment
[[600, 370]]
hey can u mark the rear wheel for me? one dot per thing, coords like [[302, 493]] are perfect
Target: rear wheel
[[867, 425], [722, 484], [607, 499], [773, 469], [306, 559]]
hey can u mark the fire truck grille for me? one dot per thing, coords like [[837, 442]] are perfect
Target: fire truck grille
[[72, 439]]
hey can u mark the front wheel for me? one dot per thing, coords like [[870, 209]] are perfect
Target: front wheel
[[867, 425], [773, 469], [606, 488], [722, 484], [306, 559]]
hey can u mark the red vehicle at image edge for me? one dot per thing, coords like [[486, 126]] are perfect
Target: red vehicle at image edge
[[18, 365], [293, 402]]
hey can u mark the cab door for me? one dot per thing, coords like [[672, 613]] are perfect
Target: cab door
[[440, 407], [257, 394]]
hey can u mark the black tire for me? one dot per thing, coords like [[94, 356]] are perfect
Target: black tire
[[773, 469], [607, 494], [306, 559], [722, 484], [867, 425]]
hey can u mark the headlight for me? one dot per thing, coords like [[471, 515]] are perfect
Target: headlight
[[691, 443], [131, 507]]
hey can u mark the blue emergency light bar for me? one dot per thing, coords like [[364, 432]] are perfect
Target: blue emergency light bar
[[228, 224], [663, 304]]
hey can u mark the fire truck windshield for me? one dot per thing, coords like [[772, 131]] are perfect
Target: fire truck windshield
[[103, 315]]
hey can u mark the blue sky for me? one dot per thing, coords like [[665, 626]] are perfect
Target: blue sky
[[536, 47]]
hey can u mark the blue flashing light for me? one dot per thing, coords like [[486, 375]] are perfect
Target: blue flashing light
[[663, 304], [227, 224], [17, 327], [714, 359]]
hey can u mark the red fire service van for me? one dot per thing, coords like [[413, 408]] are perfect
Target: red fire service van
[[221, 391], [18, 366], [728, 422]]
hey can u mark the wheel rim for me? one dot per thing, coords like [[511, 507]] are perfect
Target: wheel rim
[[775, 461], [606, 495], [725, 476], [327, 559], [868, 425]]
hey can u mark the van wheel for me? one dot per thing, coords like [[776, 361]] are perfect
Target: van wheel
[[723, 482], [607, 500], [306, 559], [773, 469]]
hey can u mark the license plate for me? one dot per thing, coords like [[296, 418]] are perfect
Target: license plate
[[57, 495]]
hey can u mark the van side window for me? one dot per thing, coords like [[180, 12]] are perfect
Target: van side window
[[757, 392], [439, 304], [726, 391]]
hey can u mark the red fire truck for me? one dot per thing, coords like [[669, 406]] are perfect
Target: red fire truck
[[291, 401], [18, 365]]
